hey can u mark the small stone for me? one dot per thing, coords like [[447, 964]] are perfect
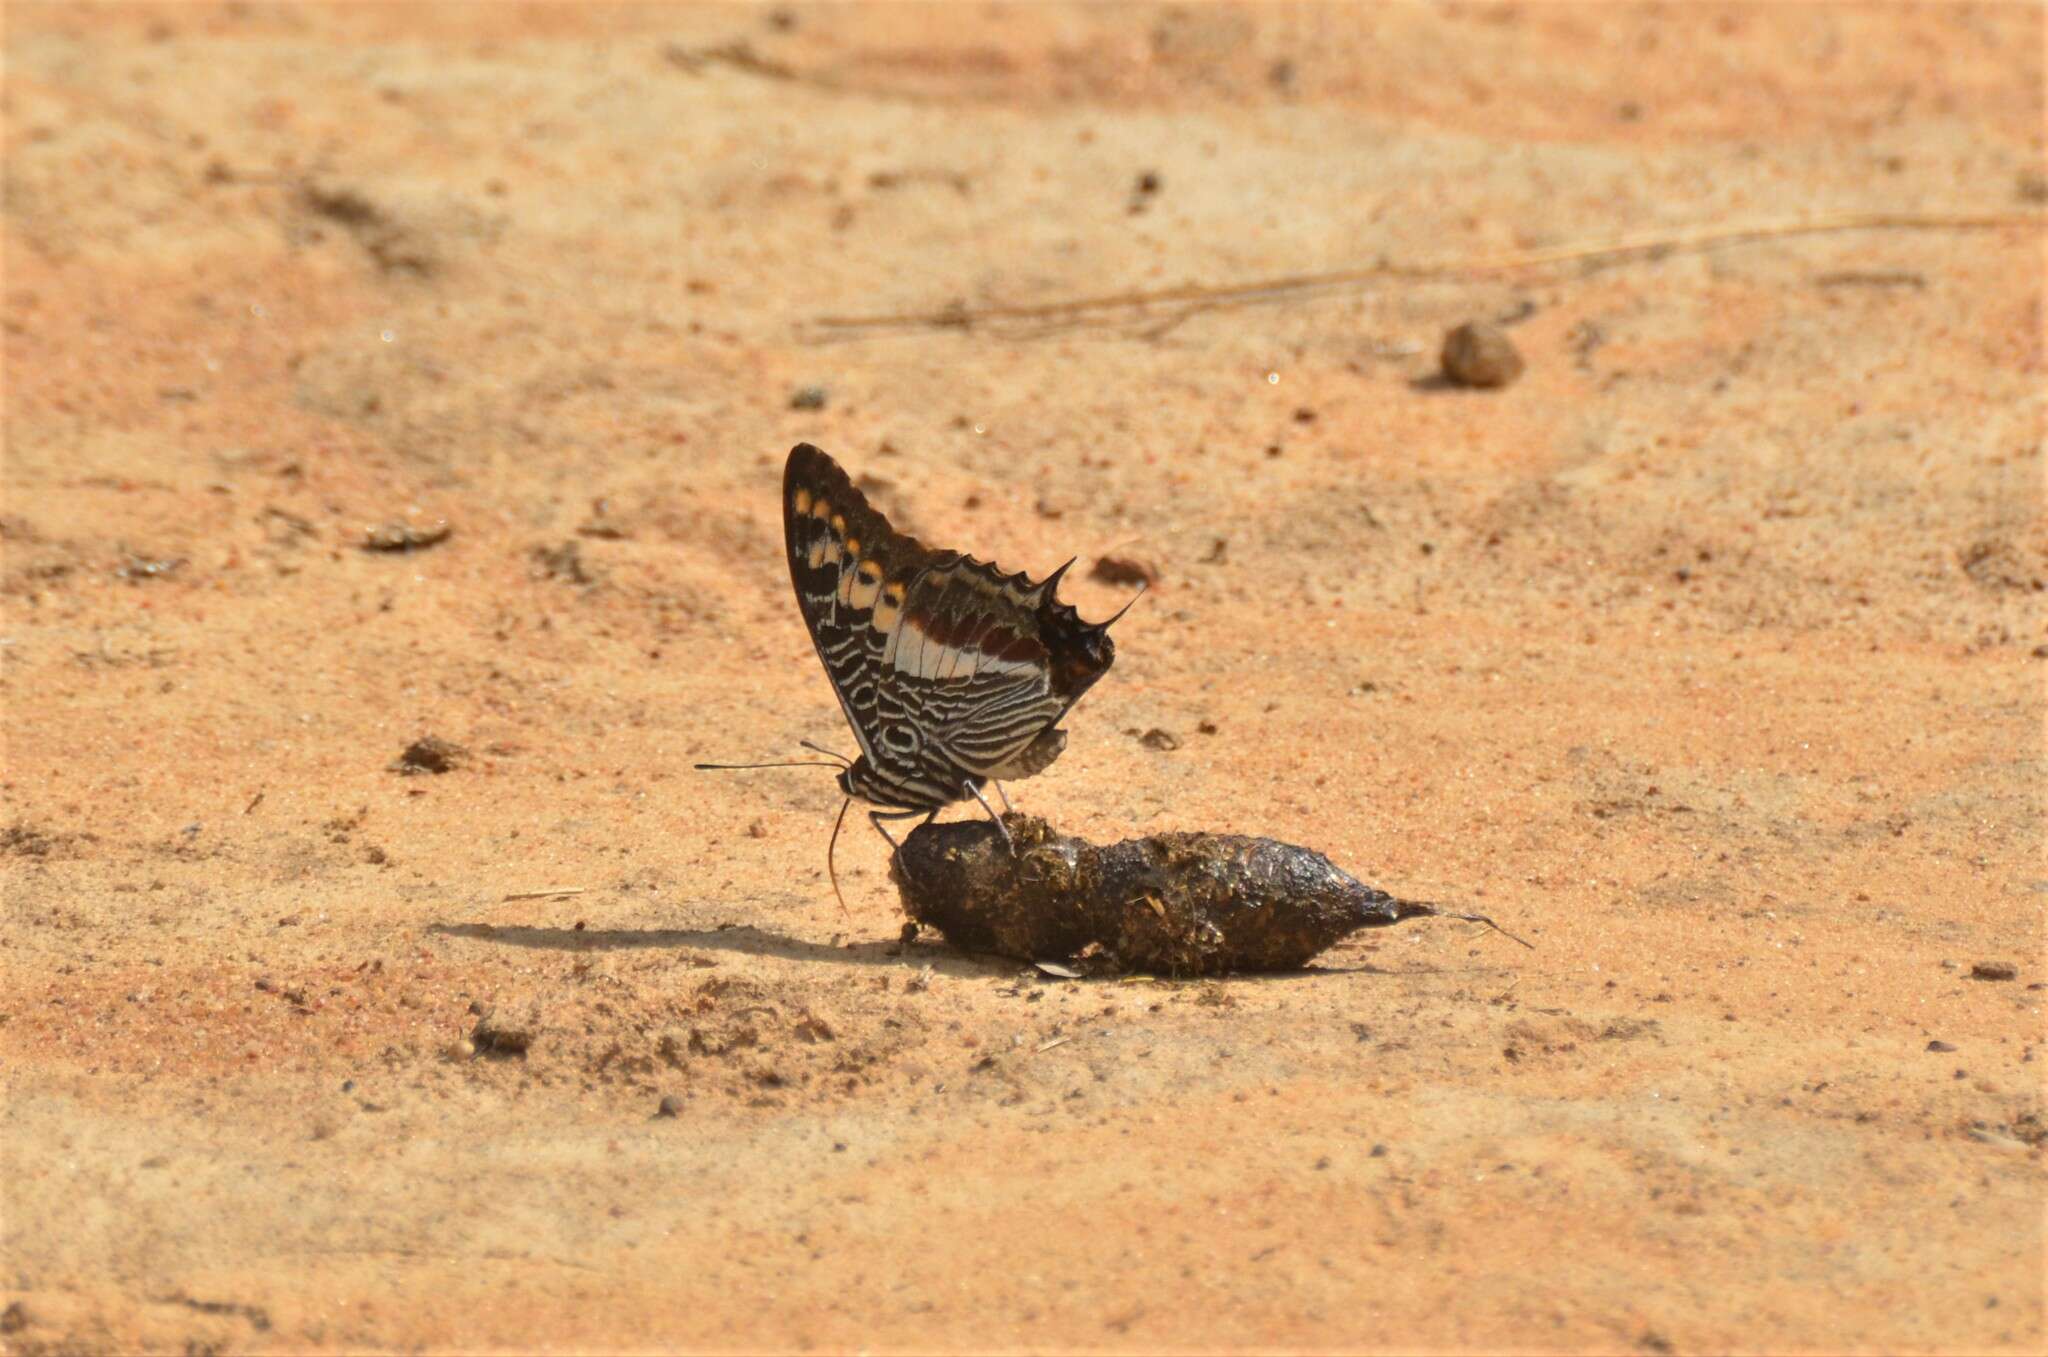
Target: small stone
[[1994, 970], [1479, 354], [1165, 741], [401, 537], [14, 1318], [671, 1106], [1939, 1046], [808, 398]]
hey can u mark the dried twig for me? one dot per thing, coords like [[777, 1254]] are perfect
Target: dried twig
[[1195, 295], [544, 894]]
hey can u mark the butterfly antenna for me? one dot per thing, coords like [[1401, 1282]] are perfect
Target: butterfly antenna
[[806, 763], [843, 761], [833, 843]]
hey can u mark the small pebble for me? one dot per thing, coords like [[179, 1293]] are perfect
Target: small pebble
[[1994, 970], [808, 398], [399, 536], [1481, 355], [1939, 1046], [671, 1106]]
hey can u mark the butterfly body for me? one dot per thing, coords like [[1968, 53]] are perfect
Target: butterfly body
[[951, 673]]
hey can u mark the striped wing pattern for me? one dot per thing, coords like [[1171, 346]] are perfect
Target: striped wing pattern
[[949, 671]]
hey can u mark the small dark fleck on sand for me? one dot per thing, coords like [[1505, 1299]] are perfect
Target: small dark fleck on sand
[[564, 563], [1143, 190], [1939, 1046], [1994, 970], [493, 1036], [671, 1106], [1163, 740], [808, 398], [1127, 570], [429, 754], [1479, 354]]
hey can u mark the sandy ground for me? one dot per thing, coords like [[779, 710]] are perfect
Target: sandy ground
[[1708, 655]]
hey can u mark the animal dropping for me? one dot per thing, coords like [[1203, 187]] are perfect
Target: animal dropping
[[1180, 904]]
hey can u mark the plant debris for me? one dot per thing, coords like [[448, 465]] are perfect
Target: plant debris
[[1994, 970], [1175, 904], [134, 567]]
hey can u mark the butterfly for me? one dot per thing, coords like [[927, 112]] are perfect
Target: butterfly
[[951, 674]]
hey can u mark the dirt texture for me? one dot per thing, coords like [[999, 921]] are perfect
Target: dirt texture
[[395, 406]]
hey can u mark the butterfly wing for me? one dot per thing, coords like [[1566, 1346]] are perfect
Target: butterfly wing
[[852, 572], [947, 669], [972, 656]]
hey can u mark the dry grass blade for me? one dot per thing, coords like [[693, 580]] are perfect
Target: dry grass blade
[[1199, 296]]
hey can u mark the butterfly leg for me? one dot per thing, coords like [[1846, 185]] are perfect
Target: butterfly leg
[[1006, 797], [875, 818], [1001, 828]]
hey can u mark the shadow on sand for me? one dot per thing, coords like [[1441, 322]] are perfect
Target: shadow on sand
[[748, 940], [744, 939]]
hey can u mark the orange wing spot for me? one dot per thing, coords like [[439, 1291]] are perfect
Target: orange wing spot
[[802, 500], [853, 546], [888, 609], [820, 510], [839, 525]]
